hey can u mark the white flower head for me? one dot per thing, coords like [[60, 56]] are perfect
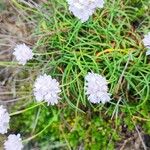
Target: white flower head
[[14, 142], [96, 88], [47, 89], [146, 40], [148, 52], [4, 120], [83, 9], [22, 53]]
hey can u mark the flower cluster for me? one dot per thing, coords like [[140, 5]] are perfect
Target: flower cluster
[[46, 88], [96, 88], [14, 142], [146, 42], [22, 53], [4, 120], [83, 9]]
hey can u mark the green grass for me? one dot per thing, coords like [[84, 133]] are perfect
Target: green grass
[[109, 43]]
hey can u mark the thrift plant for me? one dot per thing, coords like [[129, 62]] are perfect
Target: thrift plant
[[89, 80]]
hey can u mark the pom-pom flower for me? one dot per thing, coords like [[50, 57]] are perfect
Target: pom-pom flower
[[83, 9], [96, 88], [46, 89], [22, 53], [146, 40], [148, 52], [4, 120], [14, 142]]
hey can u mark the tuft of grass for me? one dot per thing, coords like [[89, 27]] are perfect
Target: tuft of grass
[[109, 43]]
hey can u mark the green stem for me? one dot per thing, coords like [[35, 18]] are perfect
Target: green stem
[[40, 54], [13, 64], [24, 110], [5, 63]]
